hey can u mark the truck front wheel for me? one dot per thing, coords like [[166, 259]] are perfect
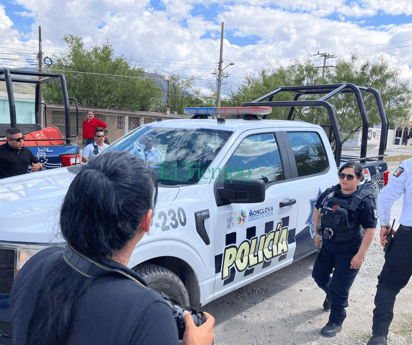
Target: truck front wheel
[[163, 280]]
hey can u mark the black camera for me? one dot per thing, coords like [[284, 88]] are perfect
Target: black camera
[[180, 322]]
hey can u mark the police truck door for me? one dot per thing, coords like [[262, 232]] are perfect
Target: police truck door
[[251, 240]]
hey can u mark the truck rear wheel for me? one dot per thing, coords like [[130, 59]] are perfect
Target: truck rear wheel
[[163, 280]]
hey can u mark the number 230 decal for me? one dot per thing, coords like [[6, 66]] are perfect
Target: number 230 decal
[[171, 218]]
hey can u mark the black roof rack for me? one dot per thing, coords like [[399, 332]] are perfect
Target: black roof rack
[[10, 76], [330, 90]]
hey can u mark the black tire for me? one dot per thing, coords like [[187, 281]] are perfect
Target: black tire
[[163, 280]]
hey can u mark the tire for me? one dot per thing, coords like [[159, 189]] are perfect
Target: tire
[[163, 280]]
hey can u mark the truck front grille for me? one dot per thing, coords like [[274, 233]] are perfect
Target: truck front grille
[[7, 264], [7, 257]]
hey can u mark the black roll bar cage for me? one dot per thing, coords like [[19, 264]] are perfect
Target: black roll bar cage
[[6, 75], [330, 90]]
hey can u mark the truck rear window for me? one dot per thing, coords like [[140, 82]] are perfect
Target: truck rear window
[[310, 155]]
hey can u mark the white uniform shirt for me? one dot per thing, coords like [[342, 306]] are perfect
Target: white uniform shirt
[[399, 183], [153, 156], [88, 150]]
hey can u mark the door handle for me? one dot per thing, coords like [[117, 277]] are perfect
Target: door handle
[[287, 202], [200, 217]]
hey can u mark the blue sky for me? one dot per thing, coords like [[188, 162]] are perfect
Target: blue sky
[[183, 36]]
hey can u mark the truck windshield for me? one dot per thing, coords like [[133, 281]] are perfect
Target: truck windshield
[[177, 155]]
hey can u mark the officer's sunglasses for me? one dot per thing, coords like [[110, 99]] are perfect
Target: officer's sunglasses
[[99, 136], [349, 177], [18, 139]]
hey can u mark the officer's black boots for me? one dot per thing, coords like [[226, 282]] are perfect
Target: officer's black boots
[[327, 304], [330, 330], [377, 340]]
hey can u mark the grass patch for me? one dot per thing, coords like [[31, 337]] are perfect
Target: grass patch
[[363, 337], [399, 158], [404, 328]]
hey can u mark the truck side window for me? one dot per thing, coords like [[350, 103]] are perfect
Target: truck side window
[[256, 157], [310, 155]]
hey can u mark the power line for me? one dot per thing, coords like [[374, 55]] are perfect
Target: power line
[[380, 44], [379, 50]]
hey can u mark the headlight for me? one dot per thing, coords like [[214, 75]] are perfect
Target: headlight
[[22, 253]]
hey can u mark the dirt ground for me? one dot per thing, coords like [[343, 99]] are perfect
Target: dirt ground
[[286, 306]]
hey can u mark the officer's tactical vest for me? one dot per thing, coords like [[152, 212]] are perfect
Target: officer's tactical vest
[[338, 212]]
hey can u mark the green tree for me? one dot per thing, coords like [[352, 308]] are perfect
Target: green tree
[[178, 93], [96, 77], [395, 93]]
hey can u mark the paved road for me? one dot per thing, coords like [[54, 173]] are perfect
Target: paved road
[[391, 150]]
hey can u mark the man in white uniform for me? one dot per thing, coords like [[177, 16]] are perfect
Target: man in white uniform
[[397, 269], [152, 155]]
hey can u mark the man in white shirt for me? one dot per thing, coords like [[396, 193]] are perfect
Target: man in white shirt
[[96, 147], [397, 269], [152, 155]]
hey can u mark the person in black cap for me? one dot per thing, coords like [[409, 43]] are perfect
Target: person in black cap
[[84, 293], [341, 214], [15, 158]]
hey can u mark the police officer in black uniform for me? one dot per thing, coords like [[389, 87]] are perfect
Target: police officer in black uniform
[[341, 214]]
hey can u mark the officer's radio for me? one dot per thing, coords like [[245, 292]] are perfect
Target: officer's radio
[[389, 238]]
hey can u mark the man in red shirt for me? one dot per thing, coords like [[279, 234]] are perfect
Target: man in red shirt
[[89, 126]]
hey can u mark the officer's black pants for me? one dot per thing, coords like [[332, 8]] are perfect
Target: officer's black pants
[[395, 274], [333, 274]]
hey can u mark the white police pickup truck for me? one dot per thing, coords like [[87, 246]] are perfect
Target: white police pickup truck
[[236, 201]]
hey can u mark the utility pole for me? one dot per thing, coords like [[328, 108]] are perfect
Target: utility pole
[[325, 57], [40, 57], [168, 93], [219, 76]]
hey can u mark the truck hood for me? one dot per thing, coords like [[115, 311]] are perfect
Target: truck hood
[[30, 205]]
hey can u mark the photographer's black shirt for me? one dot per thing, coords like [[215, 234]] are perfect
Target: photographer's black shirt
[[15, 162], [113, 309]]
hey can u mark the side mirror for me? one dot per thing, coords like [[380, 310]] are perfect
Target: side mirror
[[241, 191]]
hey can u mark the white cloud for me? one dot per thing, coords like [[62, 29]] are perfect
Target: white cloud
[[5, 24], [393, 7], [26, 14], [357, 11], [158, 41]]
